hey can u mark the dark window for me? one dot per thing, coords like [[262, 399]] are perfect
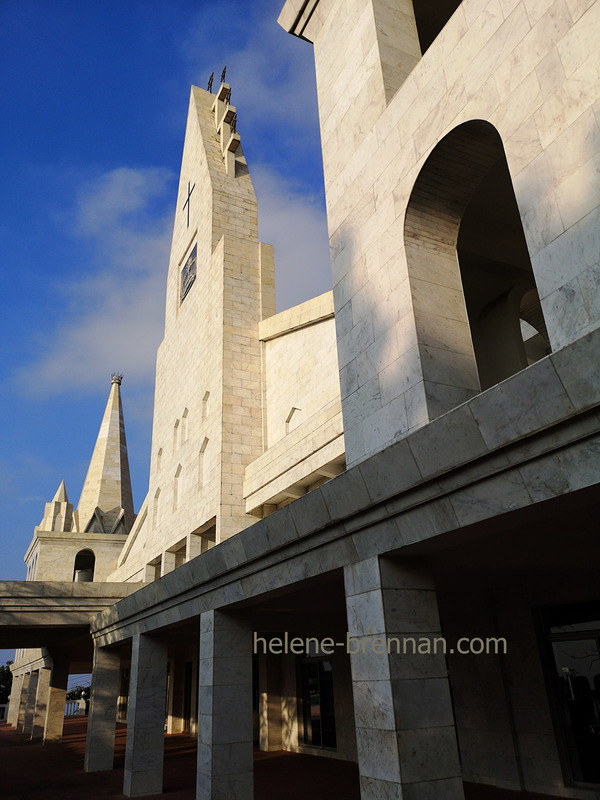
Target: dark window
[[188, 274], [83, 571]]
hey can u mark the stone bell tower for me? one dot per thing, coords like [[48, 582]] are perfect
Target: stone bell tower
[[207, 414]]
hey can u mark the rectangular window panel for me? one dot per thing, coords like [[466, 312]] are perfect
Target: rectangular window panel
[[188, 274]]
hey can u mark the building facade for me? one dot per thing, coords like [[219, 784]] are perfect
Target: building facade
[[371, 525]]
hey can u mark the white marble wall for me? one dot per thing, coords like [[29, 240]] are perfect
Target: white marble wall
[[531, 68]]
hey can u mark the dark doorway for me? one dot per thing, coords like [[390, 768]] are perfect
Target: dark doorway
[[318, 711]]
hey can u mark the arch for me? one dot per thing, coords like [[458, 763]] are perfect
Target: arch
[[83, 568], [469, 267]]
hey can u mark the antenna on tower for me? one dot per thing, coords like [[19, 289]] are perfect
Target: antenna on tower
[[223, 74], [210, 82]]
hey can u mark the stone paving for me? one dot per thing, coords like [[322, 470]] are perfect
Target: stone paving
[[31, 771]]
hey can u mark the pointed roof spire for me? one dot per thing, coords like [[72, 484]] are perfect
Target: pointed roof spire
[[58, 513], [107, 487], [61, 494]]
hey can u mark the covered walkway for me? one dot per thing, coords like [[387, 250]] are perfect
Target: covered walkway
[[31, 771]]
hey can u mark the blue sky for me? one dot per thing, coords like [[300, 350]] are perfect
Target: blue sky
[[94, 101]]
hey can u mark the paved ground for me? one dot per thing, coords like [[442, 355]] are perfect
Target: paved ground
[[29, 771]]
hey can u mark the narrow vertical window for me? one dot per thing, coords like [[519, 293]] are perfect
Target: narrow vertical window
[[202, 457], [156, 509], [176, 487], [184, 425]]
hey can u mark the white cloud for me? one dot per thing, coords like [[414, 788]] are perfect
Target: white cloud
[[271, 72], [273, 89], [114, 310], [295, 224]]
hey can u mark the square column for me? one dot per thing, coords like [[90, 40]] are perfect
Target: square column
[[23, 701], [146, 719], [102, 719], [57, 695], [15, 700], [225, 742], [405, 732], [41, 704], [30, 702]]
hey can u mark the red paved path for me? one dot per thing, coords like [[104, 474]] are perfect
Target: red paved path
[[30, 771]]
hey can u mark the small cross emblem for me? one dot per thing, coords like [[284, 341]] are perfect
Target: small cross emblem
[[187, 202]]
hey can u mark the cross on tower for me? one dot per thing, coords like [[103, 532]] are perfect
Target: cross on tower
[[187, 202]]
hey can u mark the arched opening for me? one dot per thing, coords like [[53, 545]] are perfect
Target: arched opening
[[498, 280], [83, 570], [471, 278]]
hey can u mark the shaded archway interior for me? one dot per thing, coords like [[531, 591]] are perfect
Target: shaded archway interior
[[463, 231], [83, 570]]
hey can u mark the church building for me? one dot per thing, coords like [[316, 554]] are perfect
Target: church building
[[371, 526]]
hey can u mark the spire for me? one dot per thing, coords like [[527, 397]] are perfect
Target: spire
[[106, 501], [58, 513], [61, 494]]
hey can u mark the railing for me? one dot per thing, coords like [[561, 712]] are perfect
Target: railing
[[73, 708]]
